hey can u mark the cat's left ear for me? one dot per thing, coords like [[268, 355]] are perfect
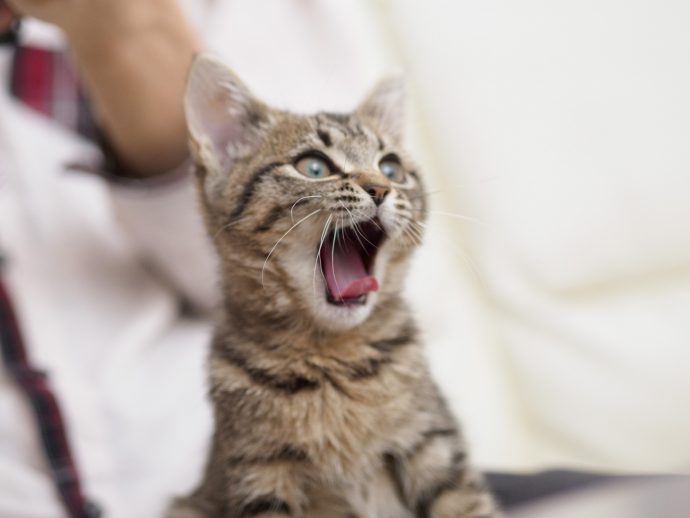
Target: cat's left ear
[[385, 107], [225, 121]]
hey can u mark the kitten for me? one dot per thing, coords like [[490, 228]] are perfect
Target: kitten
[[324, 404]]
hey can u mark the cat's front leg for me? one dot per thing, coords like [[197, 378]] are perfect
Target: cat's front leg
[[207, 500], [265, 490], [435, 480]]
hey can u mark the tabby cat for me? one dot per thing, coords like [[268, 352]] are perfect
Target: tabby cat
[[324, 405]]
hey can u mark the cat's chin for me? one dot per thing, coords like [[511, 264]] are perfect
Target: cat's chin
[[341, 316]]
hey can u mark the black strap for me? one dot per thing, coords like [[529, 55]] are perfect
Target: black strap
[[36, 388]]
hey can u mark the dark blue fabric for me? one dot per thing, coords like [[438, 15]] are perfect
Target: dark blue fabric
[[513, 490]]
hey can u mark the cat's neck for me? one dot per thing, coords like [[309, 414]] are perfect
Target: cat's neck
[[270, 328]]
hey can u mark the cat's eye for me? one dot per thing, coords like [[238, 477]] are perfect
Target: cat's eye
[[313, 167], [391, 168]]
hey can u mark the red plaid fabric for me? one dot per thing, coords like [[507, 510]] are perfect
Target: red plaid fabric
[[46, 81]]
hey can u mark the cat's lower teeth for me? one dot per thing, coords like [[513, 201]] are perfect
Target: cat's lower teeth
[[357, 301]]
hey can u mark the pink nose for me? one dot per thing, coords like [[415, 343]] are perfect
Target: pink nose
[[377, 192]]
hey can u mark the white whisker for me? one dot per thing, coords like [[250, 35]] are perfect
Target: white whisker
[[415, 234], [422, 195], [408, 235], [463, 255], [281, 238], [326, 226], [452, 215], [356, 229], [376, 224], [292, 216], [227, 226], [335, 238]]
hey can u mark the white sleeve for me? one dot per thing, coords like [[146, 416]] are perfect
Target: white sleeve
[[163, 222]]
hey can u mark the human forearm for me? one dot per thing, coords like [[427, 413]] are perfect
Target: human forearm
[[134, 57]]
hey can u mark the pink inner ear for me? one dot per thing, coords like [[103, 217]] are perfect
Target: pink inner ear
[[385, 104], [217, 106], [212, 119]]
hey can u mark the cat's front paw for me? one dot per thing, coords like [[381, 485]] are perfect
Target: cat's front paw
[[461, 505]]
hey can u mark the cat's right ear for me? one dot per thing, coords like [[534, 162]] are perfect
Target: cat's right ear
[[225, 121]]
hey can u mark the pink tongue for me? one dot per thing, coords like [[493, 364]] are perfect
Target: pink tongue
[[346, 274]]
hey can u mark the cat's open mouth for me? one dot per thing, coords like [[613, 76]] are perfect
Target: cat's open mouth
[[347, 261]]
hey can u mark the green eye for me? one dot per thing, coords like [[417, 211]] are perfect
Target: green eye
[[390, 168], [313, 167]]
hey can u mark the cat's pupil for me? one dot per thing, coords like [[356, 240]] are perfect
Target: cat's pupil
[[316, 168], [388, 169]]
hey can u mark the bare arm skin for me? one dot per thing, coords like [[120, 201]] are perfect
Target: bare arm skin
[[6, 17], [134, 56]]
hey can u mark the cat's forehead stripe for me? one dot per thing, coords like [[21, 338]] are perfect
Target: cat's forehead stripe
[[345, 125], [325, 137], [346, 133]]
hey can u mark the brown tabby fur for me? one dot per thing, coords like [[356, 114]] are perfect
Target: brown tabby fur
[[316, 418]]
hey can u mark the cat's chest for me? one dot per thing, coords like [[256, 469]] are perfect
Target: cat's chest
[[351, 418], [342, 412]]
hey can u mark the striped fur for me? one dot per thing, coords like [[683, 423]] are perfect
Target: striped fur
[[321, 411]]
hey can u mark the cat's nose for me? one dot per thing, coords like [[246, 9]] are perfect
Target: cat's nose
[[377, 192]]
